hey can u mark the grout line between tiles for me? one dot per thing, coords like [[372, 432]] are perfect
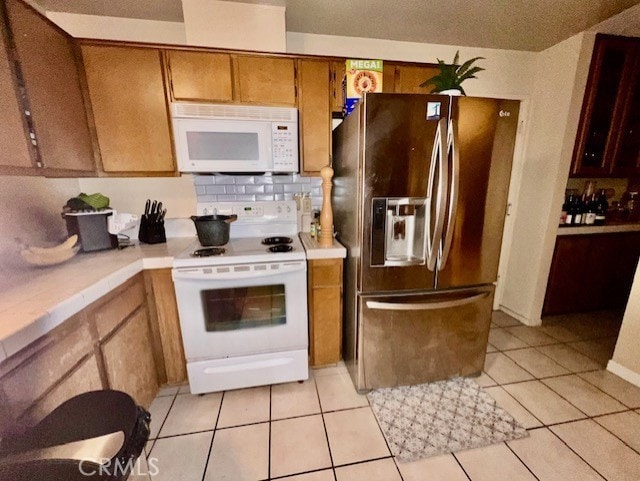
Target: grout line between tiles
[[521, 461], [270, 421], [326, 433], [461, 466], [173, 401], [577, 454], [614, 434], [213, 436]]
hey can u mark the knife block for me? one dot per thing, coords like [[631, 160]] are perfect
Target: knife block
[[151, 232]]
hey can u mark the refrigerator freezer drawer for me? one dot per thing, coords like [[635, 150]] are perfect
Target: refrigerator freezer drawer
[[413, 339]]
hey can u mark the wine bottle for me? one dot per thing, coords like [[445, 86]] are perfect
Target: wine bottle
[[602, 206]]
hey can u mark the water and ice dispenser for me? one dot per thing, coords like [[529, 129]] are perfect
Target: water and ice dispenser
[[398, 231]]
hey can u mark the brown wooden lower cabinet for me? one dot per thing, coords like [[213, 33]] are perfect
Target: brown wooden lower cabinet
[[168, 337], [128, 359], [591, 272], [110, 344], [325, 311]]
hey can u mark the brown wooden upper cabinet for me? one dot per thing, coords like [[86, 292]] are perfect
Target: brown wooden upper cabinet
[[266, 80], [48, 63], [199, 76], [126, 88], [407, 78], [15, 155], [603, 146], [314, 103], [338, 70]]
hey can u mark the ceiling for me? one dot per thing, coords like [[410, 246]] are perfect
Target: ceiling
[[531, 25]]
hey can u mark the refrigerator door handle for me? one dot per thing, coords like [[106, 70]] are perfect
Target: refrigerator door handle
[[434, 237], [425, 306], [453, 147]]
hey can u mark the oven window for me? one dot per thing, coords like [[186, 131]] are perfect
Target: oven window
[[223, 145], [244, 307]]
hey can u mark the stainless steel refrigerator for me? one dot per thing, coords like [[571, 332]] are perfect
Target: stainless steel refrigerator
[[420, 193]]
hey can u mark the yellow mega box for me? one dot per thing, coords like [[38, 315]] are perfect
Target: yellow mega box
[[361, 76]]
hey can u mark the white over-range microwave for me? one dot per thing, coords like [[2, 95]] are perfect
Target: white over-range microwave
[[235, 138]]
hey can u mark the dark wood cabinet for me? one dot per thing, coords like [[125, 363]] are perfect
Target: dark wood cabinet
[[608, 139], [591, 272]]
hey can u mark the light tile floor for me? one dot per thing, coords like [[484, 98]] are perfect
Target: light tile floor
[[583, 421]]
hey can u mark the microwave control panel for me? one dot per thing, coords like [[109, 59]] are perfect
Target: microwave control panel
[[285, 146]]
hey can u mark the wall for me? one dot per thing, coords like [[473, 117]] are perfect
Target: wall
[[560, 79], [234, 25], [508, 72], [247, 188], [626, 362], [179, 194], [30, 214], [118, 28]]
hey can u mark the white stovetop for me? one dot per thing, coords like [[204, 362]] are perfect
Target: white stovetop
[[242, 250]]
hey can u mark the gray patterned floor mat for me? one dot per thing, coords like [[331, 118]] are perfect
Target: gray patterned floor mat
[[441, 417]]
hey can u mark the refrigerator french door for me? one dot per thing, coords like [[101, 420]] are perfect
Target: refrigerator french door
[[420, 198]]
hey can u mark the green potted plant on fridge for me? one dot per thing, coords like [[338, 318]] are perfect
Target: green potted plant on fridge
[[450, 77]]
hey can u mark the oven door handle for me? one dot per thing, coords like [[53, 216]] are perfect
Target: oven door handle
[[236, 273]]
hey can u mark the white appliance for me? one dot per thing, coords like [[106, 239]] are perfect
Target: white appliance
[[243, 312], [235, 138]]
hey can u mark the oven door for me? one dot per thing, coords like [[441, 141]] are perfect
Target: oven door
[[228, 311], [210, 145]]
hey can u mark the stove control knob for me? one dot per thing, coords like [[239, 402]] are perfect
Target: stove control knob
[[205, 211], [288, 209], [279, 210]]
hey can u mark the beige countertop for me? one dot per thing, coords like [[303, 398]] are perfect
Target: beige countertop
[[43, 298], [314, 251], [598, 229]]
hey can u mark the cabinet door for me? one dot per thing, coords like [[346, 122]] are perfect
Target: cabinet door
[[199, 76], [338, 69], [126, 89], [315, 115], [325, 311], [48, 63], [627, 153], [568, 270], [611, 67], [266, 80], [15, 156], [408, 79], [128, 359]]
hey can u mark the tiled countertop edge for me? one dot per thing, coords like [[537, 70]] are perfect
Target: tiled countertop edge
[[314, 251], [598, 229], [76, 303]]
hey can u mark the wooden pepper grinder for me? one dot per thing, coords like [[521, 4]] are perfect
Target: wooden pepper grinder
[[326, 216]]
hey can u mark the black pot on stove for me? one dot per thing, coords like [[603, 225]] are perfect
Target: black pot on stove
[[213, 230]]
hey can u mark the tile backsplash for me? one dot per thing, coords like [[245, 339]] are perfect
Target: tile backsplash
[[229, 188]]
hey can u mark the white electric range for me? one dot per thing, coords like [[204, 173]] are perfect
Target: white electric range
[[243, 306]]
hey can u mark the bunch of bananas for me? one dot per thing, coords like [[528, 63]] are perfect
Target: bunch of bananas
[[49, 256]]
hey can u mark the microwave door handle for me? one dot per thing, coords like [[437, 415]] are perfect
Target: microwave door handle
[[453, 147], [434, 238]]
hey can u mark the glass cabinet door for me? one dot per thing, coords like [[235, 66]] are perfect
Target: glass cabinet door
[[627, 156], [604, 101]]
